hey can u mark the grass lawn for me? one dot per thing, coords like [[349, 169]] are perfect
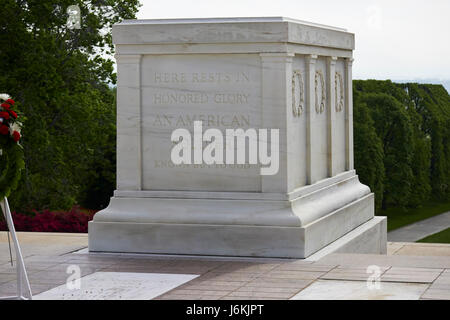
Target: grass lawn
[[398, 217], [440, 237]]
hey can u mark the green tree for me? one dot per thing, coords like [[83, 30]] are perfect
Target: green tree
[[413, 122], [395, 132], [62, 78], [368, 150], [421, 158], [394, 129], [433, 104]]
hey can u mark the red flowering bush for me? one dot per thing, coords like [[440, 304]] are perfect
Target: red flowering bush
[[75, 221]]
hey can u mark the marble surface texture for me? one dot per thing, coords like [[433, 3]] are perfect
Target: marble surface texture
[[117, 286], [358, 290]]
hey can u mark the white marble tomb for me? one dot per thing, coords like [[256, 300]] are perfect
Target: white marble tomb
[[236, 73]]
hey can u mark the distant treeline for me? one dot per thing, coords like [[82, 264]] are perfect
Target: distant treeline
[[402, 141]]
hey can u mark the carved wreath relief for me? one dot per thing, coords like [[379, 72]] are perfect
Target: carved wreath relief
[[320, 85], [339, 92], [298, 99]]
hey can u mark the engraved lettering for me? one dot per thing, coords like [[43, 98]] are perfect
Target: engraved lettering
[[210, 120]]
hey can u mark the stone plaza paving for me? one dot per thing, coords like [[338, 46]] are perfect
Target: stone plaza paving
[[408, 271]]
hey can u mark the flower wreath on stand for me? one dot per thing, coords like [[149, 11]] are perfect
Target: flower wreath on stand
[[11, 165], [11, 152]]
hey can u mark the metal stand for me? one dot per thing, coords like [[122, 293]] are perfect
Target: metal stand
[[23, 285]]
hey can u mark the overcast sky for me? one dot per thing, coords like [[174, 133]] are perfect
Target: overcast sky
[[395, 39]]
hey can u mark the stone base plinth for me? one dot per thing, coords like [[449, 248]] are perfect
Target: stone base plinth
[[216, 224]]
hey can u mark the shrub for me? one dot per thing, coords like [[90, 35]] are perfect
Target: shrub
[[75, 221]]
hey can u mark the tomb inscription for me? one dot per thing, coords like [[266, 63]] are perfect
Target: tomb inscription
[[222, 91]]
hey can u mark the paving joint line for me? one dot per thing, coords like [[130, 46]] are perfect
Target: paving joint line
[[187, 283], [247, 282], [431, 284], [314, 280]]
